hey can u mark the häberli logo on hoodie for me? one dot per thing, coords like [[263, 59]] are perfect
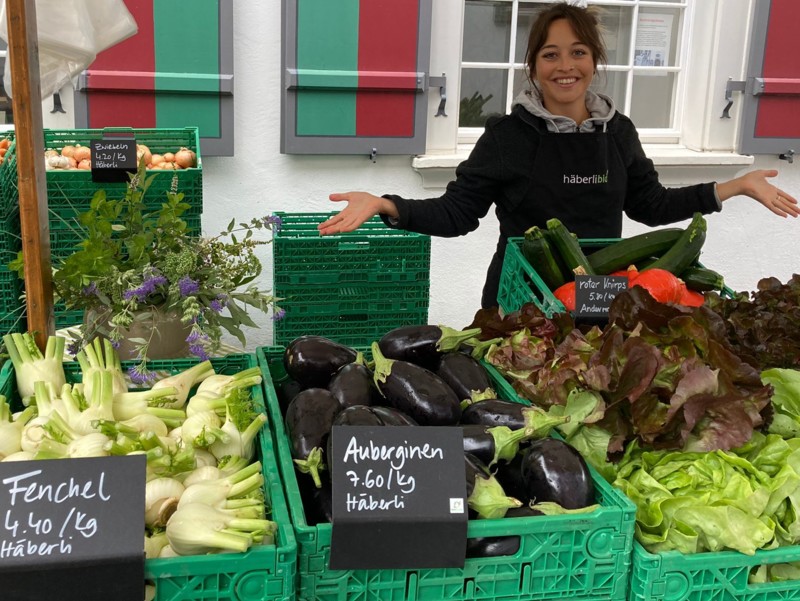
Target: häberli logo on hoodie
[[600, 178]]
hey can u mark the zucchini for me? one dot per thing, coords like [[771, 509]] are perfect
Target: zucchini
[[569, 249], [686, 249], [619, 255], [702, 279], [536, 249]]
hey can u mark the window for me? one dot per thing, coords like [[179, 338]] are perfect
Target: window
[[645, 43]]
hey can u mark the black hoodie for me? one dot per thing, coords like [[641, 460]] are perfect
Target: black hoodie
[[499, 171]]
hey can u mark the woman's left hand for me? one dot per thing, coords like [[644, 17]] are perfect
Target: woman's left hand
[[755, 185]]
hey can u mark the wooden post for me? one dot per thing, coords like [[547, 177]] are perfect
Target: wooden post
[[23, 52]]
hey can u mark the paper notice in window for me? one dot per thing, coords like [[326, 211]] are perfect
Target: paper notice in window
[[653, 37]]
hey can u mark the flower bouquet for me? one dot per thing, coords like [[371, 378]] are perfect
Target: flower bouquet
[[133, 261]]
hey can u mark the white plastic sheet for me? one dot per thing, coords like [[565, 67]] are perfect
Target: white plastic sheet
[[70, 34]]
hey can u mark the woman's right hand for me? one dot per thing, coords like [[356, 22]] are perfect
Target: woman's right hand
[[361, 206]]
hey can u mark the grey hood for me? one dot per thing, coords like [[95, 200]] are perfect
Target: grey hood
[[600, 107]]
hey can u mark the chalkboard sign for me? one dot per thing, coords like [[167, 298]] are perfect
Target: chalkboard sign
[[113, 159], [594, 293], [80, 521], [399, 498]]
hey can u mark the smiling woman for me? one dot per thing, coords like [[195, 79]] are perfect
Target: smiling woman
[[564, 153]]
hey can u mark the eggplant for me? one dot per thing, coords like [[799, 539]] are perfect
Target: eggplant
[[423, 345], [317, 502], [526, 511], [466, 376], [364, 415], [309, 418], [357, 415], [485, 496], [492, 546], [491, 444], [417, 392], [313, 360], [286, 391], [508, 474], [353, 384], [553, 471], [392, 417], [499, 412]]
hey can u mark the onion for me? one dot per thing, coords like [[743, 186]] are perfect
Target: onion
[[68, 150], [156, 159], [169, 157], [185, 158], [143, 151], [73, 163], [85, 164], [81, 153]]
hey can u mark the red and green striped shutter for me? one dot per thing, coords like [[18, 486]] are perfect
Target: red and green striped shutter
[[772, 89], [177, 71], [355, 76]]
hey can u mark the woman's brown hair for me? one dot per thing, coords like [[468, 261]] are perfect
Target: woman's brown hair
[[584, 21]]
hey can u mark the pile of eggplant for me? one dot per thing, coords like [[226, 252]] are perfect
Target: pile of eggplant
[[425, 375]]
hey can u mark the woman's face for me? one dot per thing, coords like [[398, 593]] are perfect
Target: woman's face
[[564, 70]]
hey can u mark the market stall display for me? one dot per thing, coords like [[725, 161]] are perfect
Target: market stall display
[[541, 266], [349, 287], [680, 410], [574, 556], [69, 194], [196, 567]]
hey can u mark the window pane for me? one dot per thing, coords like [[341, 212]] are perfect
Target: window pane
[[521, 81], [483, 94], [613, 84], [487, 31], [657, 37], [653, 94], [528, 12], [616, 27]]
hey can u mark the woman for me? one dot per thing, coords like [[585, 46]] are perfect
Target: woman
[[563, 152]]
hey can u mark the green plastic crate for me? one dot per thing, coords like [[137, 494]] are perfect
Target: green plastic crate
[[350, 287], [354, 298], [673, 576], [263, 573], [520, 284], [69, 191], [357, 329], [561, 557]]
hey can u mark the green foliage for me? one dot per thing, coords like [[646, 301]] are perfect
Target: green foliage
[[470, 112], [132, 258]]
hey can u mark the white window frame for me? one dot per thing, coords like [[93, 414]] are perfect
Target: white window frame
[[713, 50]]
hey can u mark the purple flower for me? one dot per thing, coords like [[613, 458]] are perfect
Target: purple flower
[[141, 375], [90, 290], [115, 344], [147, 288], [74, 347], [272, 221], [219, 303], [193, 336], [279, 314], [198, 351], [188, 286]]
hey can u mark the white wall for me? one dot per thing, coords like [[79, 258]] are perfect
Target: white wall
[[745, 242]]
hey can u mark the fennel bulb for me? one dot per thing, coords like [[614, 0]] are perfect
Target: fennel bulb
[[19, 456], [184, 381], [196, 529], [161, 497], [100, 357], [31, 366], [241, 443]]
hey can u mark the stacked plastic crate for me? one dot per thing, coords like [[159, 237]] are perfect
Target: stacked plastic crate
[[350, 287], [69, 193]]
